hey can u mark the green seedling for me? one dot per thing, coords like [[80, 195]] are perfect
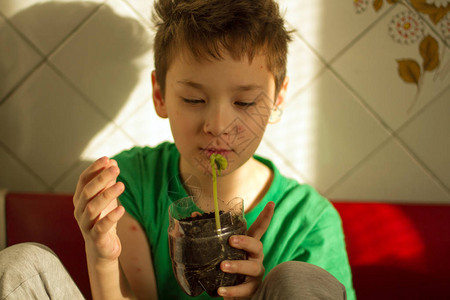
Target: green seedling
[[218, 164]]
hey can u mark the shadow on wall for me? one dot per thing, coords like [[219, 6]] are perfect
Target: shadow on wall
[[54, 102]]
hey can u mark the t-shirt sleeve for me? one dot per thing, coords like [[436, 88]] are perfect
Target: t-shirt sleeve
[[324, 246]]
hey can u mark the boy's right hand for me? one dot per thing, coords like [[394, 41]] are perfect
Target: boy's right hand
[[96, 208]]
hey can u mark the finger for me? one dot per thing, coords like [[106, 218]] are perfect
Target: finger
[[261, 224], [244, 290], [93, 171], [100, 183], [251, 268], [111, 219], [113, 162], [89, 173], [96, 206], [252, 246]]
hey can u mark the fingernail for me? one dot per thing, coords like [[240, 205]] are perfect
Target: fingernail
[[226, 266], [117, 187], [234, 240], [102, 160], [222, 291]]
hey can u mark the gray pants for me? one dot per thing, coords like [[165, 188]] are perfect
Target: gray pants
[[33, 271]]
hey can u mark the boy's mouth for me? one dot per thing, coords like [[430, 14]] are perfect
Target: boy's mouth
[[211, 151]]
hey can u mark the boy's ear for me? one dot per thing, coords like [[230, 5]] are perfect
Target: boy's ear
[[277, 110], [158, 101], [282, 94]]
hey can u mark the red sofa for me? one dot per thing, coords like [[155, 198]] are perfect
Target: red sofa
[[396, 251]]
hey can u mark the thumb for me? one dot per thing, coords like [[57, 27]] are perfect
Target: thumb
[[261, 223]]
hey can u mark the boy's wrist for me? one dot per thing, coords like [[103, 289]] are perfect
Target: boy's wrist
[[97, 261]]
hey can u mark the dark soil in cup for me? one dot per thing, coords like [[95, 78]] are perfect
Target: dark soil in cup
[[197, 251]]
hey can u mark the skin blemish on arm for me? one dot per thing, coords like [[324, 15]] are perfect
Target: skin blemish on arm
[[133, 228]]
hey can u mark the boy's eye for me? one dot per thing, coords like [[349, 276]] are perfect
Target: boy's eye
[[193, 101], [244, 104]]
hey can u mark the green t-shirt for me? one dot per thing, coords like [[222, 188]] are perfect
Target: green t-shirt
[[305, 226]]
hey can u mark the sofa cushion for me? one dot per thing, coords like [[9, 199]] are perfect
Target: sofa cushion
[[398, 251]]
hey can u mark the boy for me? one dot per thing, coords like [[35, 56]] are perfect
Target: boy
[[220, 76]]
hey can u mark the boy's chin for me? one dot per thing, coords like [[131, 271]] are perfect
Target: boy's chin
[[207, 171]]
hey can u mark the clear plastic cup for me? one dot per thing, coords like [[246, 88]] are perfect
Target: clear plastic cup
[[197, 248]]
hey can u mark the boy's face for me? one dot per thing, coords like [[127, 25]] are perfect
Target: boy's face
[[218, 106]]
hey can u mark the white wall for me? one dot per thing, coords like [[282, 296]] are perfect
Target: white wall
[[75, 85]]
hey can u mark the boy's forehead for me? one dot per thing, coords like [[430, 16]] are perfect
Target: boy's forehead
[[185, 58]]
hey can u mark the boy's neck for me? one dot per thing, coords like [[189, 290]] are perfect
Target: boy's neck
[[250, 182]]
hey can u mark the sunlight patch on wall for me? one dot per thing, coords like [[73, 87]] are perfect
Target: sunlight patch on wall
[[294, 139], [107, 142]]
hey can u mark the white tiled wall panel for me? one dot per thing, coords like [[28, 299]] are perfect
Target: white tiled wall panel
[[75, 84], [428, 136], [16, 176], [17, 58], [47, 124]]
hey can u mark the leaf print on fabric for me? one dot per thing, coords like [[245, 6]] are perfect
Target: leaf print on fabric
[[377, 4], [409, 70], [429, 50]]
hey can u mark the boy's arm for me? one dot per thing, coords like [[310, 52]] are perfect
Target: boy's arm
[[107, 279], [97, 213], [135, 258]]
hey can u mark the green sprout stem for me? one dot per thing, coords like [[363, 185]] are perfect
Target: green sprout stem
[[216, 202], [218, 163]]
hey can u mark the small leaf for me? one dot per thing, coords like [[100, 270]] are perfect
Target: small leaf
[[377, 4], [429, 50], [409, 70], [219, 161]]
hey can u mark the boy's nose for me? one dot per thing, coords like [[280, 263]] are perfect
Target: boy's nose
[[218, 121]]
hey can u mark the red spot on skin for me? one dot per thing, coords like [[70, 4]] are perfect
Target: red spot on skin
[[133, 228], [138, 270]]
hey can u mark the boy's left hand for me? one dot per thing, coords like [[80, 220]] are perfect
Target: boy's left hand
[[252, 267]]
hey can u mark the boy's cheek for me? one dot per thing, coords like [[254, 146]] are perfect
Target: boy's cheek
[[241, 135], [257, 116]]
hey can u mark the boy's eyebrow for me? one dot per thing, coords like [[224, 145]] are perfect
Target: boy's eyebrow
[[249, 87], [195, 85], [199, 86]]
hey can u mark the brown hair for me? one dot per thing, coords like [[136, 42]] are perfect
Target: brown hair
[[207, 27]]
